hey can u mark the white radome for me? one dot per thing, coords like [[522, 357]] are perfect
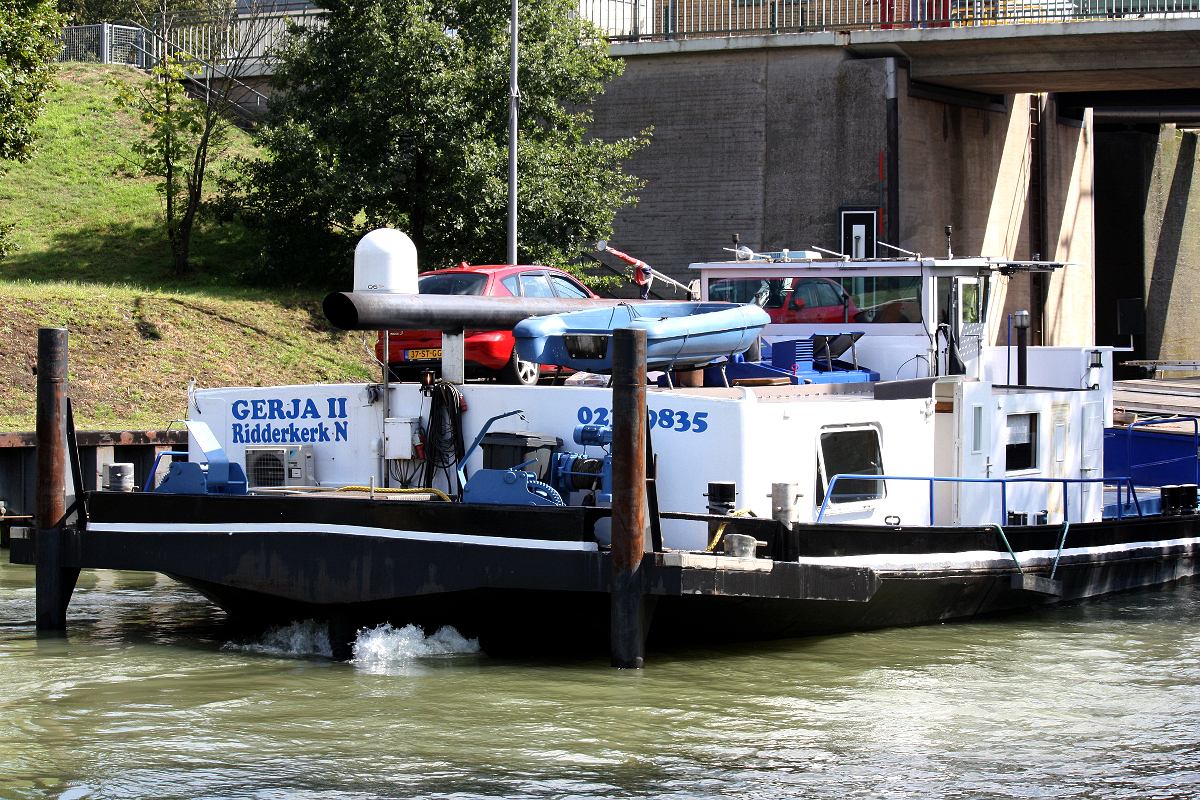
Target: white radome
[[385, 260]]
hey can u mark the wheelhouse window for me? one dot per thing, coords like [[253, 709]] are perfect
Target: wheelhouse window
[[1020, 451], [851, 451], [876, 299]]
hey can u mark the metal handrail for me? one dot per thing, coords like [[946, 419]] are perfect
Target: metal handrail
[[1195, 451], [634, 20], [1003, 489], [167, 47]]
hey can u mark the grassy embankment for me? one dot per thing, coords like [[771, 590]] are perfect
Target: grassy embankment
[[93, 259]]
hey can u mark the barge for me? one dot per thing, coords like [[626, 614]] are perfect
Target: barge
[[876, 465]]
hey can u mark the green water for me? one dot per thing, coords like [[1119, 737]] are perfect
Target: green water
[[153, 695]]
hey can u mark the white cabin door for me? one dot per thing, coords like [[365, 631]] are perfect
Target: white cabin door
[[977, 503], [971, 325]]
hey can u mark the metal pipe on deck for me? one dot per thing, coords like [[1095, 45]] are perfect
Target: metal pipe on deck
[[627, 614], [377, 311], [53, 583]]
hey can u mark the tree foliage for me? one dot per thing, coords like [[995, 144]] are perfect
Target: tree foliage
[[89, 12], [28, 46], [396, 113], [183, 138], [187, 137]]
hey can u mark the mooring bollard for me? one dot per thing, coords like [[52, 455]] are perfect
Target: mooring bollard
[[627, 613], [53, 582]]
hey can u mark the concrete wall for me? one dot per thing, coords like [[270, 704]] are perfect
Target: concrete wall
[[1148, 237], [761, 143], [1070, 231], [970, 168], [1172, 248], [967, 168], [770, 143]]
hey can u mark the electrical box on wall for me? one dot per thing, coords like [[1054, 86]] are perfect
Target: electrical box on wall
[[859, 228], [398, 438]]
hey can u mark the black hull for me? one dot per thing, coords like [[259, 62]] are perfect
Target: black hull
[[526, 580]]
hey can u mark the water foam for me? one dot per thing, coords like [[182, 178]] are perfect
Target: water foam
[[385, 644], [300, 639], [380, 646]]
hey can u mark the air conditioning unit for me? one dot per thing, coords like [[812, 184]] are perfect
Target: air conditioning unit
[[271, 466]]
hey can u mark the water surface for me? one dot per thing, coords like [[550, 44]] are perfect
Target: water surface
[[153, 694]]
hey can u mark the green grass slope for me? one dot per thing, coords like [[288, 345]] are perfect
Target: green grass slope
[[82, 212], [94, 260]]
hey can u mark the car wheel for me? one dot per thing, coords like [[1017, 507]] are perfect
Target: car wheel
[[520, 373]]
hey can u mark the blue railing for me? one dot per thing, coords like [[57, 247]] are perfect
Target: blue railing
[[1193, 455], [1004, 482]]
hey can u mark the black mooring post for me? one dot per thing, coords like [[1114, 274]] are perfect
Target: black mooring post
[[53, 583], [627, 613]]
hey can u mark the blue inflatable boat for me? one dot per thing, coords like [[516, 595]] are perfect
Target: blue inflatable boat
[[677, 334]]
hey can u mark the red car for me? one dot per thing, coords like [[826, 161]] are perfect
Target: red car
[[487, 352]]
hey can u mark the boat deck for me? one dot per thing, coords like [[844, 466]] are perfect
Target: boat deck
[[1178, 396]]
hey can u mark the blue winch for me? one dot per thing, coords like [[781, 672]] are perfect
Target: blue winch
[[574, 472], [218, 475], [568, 473]]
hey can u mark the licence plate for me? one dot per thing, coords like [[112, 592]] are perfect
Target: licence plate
[[417, 355]]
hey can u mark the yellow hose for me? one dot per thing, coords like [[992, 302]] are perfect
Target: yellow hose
[[378, 490], [741, 512]]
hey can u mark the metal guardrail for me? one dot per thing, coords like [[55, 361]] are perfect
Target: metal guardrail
[[203, 37], [678, 19], [223, 49], [1004, 482]]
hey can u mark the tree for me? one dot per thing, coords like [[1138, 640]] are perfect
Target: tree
[[28, 46], [189, 105], [183, 138], [396, 113], [89, 12]]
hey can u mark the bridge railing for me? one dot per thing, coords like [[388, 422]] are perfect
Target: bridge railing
[[677, 19]]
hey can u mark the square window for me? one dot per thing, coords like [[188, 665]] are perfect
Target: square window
[[1020, 451], [850, 452]]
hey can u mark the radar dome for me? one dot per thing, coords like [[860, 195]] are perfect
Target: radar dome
[[385, 260]]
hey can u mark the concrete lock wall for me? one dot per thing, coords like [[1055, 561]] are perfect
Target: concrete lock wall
[[1148, 237], [1172, 248], [771, 143]]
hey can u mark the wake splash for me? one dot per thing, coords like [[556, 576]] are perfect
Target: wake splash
[[385, 645], [378, 647]]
